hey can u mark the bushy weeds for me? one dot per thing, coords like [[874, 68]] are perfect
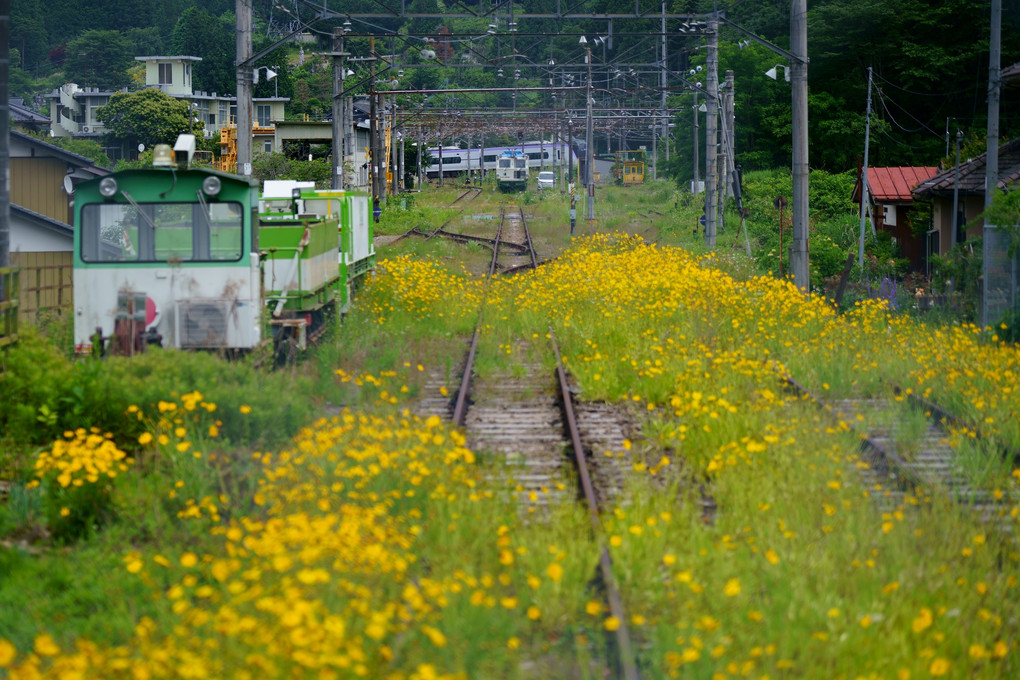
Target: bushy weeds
[[43, 393]]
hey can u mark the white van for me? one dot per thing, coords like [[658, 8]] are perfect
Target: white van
[[546, 179]]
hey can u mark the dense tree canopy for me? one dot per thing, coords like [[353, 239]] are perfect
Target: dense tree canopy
[[99, 59], [200, 34]]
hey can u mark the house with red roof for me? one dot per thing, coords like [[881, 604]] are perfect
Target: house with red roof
[[890, 201]]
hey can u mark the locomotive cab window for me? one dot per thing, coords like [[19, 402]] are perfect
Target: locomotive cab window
[[161, 232]]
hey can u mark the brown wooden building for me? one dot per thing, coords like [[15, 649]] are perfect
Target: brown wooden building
[[41, 236], [890, 198]]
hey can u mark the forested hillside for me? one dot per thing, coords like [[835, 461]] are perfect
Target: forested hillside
[[930, 63]]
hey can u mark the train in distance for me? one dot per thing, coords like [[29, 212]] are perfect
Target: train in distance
[[538, 155]]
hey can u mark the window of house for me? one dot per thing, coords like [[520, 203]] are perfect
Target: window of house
[[264, 114], [268, 146], [166, 74]]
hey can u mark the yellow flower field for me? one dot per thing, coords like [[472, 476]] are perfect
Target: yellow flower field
[[379, 547]]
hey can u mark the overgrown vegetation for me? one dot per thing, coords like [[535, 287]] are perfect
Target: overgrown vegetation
[[375, 539]]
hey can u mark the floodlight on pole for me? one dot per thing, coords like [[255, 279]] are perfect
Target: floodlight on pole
[[773, 73]]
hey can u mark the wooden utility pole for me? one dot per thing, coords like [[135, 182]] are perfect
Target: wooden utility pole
[[244, 87], [798, 80]]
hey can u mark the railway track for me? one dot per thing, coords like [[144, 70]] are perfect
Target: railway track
[[470, 193], [546, 446], [908, 452]]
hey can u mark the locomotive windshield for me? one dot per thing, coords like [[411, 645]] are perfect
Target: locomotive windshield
[[161, 232]]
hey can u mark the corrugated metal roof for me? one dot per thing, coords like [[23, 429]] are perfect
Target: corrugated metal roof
[[972, 174], [888, 185]]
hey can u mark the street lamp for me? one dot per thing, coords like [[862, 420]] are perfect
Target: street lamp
[[270, 75]]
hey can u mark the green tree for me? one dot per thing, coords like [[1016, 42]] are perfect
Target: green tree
[[99, 59], [148, 117], [200, 34], [28, 32]]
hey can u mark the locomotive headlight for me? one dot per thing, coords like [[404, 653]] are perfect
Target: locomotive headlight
[[108, 187], [211, 186]]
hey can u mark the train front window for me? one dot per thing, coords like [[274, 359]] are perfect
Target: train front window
[[161, 232]]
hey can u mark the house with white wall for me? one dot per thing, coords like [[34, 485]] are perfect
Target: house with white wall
[[73, 107]]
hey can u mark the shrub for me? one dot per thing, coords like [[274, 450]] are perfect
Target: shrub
[[76, 475]]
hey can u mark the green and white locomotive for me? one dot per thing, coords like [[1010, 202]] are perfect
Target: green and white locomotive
[[190, 258]]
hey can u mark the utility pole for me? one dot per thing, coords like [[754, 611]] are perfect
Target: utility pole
[[864, 175], [337, 181], [955, 235], [711, 134], [380, 139], [798, 46], [394, 147], [589, 153], [421, 170], [5, 151], [697, 162], [992, 154], [728, 120], [663, 84], [570, 150], [244, 87], [373, 127]]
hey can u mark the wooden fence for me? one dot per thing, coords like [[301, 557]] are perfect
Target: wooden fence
[[8, 305], [46, 284]]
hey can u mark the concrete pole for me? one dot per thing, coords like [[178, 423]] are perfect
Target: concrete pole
[[392, 152], [5, 150], [244, 87], [864, 175], [570, 150], [421, 170], [798, 46], [711, 133], [336, 181], [380, 139], [655, 149], [697, 140], [589, 154], [992, 153], [663, 83], [373, 127], [731, 147], [348, 147]]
